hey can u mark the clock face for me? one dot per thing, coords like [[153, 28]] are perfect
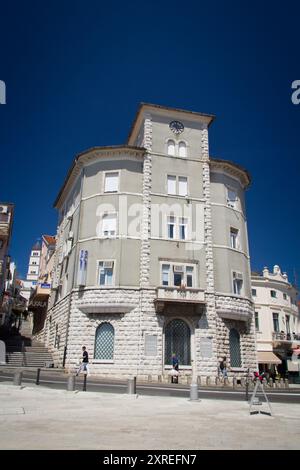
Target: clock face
[[176, 126]]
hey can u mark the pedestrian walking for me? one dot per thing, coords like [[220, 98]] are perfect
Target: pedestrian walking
[[84, 362], [223, 368]]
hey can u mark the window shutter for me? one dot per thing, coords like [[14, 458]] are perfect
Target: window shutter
[[171, 184], [111, 182], [182, 186]]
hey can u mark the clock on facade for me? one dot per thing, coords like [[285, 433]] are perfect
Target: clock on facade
[[176, 126]]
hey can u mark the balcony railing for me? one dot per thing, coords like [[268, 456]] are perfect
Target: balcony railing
[[282, 336], [176, 296]]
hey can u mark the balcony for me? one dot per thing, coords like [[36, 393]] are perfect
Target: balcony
[[284, 337], [174, 300], [4, 230]]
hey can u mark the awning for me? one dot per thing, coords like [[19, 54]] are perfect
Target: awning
[[267, 357]]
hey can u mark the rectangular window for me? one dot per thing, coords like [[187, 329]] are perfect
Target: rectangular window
[[231, 197], [189, 276], [234, 238], [237, 283], [284, 296], [165, 274], [253, 292], [171, 227], [111, 182], [171, 184], [182, 186], [273, 294], [178, 279], [182, 228], [109, 225], [256, 321], [275, 322], [106, 269], [287, 324]]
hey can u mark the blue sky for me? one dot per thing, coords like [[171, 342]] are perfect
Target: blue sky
[[76, 71]]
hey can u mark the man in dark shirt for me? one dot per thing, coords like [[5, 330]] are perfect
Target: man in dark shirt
[[85, 361]]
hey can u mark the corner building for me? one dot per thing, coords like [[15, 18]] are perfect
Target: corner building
[[152, 255]]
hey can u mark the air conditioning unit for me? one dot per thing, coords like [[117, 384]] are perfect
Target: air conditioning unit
[[178, 268], [108, 264], [237, 276], [3, 209]]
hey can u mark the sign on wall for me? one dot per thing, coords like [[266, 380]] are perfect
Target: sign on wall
[[206, 347], [150, 345], [82, 268]]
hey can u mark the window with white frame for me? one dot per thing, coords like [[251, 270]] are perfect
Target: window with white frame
[[111, 184], [231, 197], [177, 275], [171, 147], [109, 225], [237, 282], [177, 228], [171, 184], [182, 149], [177, 185], [106, 273], [182, 186], [234, 238], [273, 294], [183, 228], [165, 274], [171, 226]]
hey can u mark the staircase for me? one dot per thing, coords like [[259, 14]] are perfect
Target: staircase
[[22, 351]]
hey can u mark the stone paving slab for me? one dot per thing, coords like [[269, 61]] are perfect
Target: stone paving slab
[[57, 419]]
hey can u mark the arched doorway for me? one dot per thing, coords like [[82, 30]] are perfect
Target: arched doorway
[[178, 341]]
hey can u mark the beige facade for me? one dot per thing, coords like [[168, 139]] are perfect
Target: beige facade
[[38, 302], [277, 318], [152, 255]]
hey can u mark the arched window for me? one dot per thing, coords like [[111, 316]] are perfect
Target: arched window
[[104, 341], [235, 348], [178, 341], [171, 147], [182, 149]]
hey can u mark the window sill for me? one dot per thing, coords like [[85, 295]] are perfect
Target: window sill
[[102, 361], [237, 369], [181, 367]]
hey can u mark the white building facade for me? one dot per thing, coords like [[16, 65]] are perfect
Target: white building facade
[[152, 255], [276, 318]]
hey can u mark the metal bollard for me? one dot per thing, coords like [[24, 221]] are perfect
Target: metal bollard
[[71, 383], [18, 377], [131, 386], [271, 382], [194, 392], [286, 383], [84, 381], [234, 382], [208, 381], [37, 382]]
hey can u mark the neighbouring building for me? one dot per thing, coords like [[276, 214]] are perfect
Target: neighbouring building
[[29, 284], [14, 304], [6, 224], [276, 318], [152, 255], [40, 293]]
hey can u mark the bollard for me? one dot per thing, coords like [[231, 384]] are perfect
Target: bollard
[[234, 382], [226, 382], [243, 382], [194, 392], [71, 383], [84, 381], [38, 373], [131, 386], [18, 377], [286, 383], [247, 389], [270, 382], [208, 381]]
